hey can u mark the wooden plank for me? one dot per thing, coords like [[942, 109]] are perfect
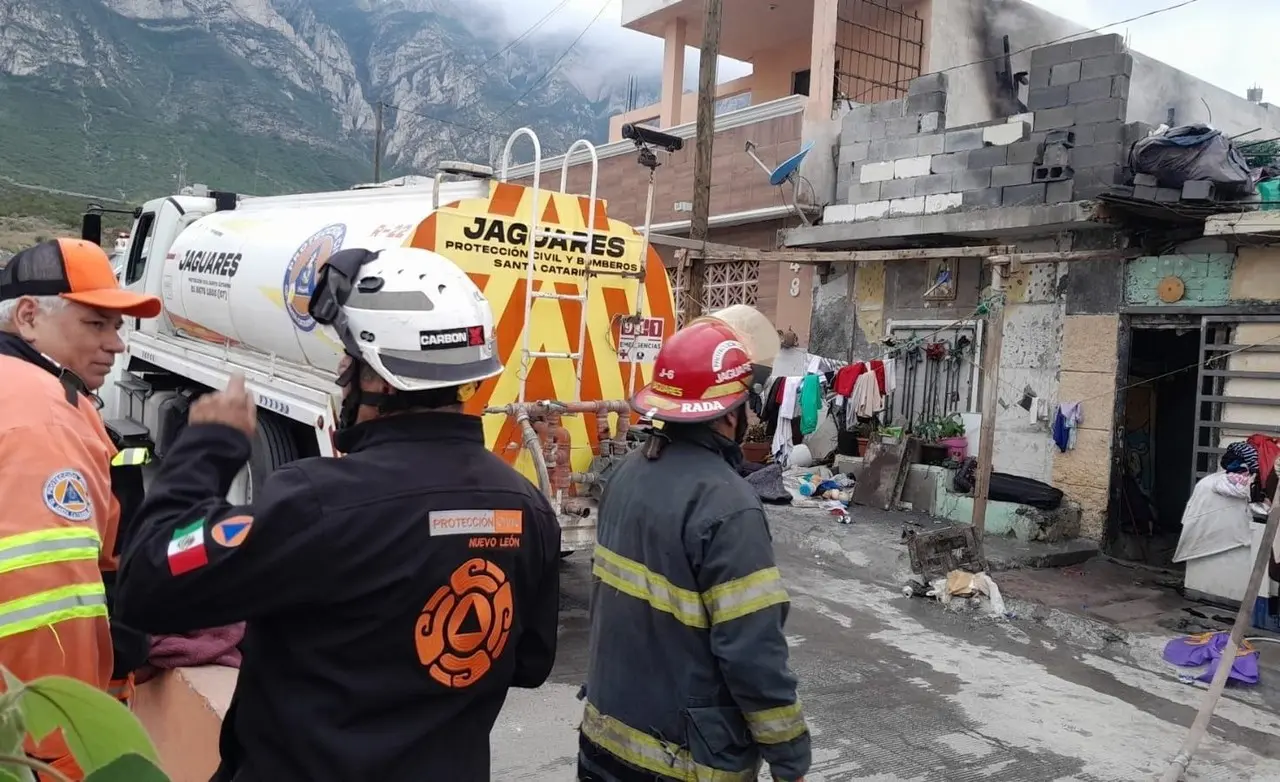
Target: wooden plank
[[993, 336], [704, 134]]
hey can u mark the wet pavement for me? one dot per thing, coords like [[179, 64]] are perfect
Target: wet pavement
[[899, 689]]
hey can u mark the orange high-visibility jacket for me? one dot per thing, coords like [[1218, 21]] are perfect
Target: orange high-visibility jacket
[[58, 520]]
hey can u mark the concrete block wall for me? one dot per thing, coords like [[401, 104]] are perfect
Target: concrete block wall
[[899, 157]]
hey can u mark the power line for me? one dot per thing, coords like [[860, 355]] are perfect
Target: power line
[[472, 128], [1001, 56], [603, 7], [534, 28]]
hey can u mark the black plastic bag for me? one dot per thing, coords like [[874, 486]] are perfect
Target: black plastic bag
[[1190, 153]]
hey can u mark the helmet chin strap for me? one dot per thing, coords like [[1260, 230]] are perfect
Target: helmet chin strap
[[356, 397]]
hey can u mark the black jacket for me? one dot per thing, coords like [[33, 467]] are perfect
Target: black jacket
[[688, 677], [392, 596]]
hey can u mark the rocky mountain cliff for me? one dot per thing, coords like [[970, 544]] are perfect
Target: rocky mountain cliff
[[130, 98]]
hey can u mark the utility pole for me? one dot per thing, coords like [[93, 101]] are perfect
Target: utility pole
[[703, 138], [993, 343], [377, 146]]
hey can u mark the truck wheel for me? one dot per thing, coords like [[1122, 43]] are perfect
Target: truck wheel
[[273, 447]]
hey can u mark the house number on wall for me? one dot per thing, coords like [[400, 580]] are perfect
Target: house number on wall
[[795, 286]]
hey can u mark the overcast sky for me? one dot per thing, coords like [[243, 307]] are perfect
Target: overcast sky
[[1209, 38]]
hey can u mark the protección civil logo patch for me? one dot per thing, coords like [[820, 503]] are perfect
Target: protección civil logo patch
[[66, 493]]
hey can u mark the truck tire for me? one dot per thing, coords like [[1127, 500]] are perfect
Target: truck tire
[[273, 447]]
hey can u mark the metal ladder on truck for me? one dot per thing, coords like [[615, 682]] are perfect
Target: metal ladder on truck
[[528, 355]]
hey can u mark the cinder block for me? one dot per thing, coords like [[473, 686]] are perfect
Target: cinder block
[[973, 179], [1092, 182], [925, 102], [1008, 133], [858, 115], [1108, 110], [932, 122], [933, 184], [1059, 192], [942, 202], [870, 211], [1096, 46], [906, 206], [889, 109], [1098, 155], [895, 148], [876, 172], [1023, 152], [860, 193], [961, 140], [1049, 56], [981, 199], [1145, 192], [904, 126], [1145, 180], [1027, 117], [1023, 195], [988, 157], [1048, 98], [1054, 119], [949, 163], [898, 188], [1120, 87], [1108, 65], [876, 129], [838, 213], [878, 150], [854, 153], [930, 82], [1051, 173], [1055, 155], [1196, 190], [1101, 133], [932, 144], [1168, 195], [1064, 137], [1005, 176], [1091, 90], [1038, 79], [912, 167], [1065, 73]]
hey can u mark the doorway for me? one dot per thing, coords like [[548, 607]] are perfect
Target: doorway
[[1157, 440]]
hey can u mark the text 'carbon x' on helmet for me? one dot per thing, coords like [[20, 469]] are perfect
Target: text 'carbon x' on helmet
[[411, 315], [700, 374]]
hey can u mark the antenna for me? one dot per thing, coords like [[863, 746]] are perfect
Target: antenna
[[786, 171]]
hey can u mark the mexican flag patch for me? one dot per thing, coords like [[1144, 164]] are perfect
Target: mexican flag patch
[[186, 549]]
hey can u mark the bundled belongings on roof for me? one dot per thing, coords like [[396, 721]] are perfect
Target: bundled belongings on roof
[[1193, 153]]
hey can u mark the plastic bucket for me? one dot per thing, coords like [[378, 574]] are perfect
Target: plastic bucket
[[957, 447]]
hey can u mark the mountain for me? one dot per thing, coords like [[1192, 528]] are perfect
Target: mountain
[[131, 98]]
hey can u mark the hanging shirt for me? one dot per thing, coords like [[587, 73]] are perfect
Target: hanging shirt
[[1065, 423], [1217, 516], [810, 402], [867, 399]]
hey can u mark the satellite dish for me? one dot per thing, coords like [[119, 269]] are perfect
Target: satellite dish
[[787, 168]]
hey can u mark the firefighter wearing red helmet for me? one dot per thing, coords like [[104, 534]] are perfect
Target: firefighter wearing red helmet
[[688, 676]]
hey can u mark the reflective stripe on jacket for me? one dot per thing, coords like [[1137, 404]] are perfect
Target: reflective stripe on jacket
[[688, 676], [57, 529]]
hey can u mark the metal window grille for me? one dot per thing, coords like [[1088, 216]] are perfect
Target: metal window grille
[[879, 50], [724, 283]]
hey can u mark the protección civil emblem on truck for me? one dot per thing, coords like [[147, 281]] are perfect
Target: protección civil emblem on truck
[[578, 299]]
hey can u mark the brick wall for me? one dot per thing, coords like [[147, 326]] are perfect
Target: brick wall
[[737, 183], [899, 157], [1206, 279]]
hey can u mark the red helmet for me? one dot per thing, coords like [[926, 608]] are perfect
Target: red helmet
[[700, 374]]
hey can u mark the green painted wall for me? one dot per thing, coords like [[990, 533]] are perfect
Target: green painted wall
[[1206, 277]]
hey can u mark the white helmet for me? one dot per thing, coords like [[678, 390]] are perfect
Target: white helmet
[[411, 315]]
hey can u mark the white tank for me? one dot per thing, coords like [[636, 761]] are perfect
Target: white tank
[[245, 276]]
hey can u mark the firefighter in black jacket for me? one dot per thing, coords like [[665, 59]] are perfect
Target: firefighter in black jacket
[[688, 675], [392, 595]]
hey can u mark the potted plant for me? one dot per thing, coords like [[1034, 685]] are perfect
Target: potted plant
[[951, 436], [929, 431], [756, 443]]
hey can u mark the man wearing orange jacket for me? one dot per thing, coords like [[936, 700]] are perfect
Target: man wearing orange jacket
[[60, 312]]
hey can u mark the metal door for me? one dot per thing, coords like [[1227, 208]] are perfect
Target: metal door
[[1224, 362]]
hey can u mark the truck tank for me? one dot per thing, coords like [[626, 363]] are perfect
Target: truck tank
[[243, 278]]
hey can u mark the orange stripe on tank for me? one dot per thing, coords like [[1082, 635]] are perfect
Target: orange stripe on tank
[[506, 199], [550, 215]]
